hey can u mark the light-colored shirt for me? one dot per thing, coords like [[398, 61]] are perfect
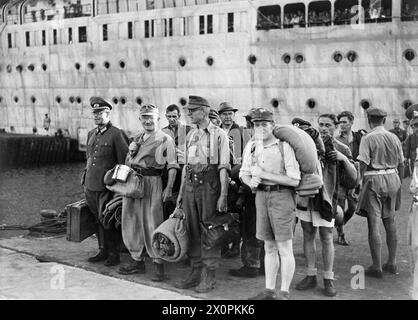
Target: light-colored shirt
[[381, 149], [270, 159], [200, 151], [155, 151], [178, 135]]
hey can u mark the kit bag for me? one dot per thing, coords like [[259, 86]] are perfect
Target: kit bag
[[125, 181]]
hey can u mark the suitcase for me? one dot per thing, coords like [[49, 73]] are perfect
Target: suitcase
[[81, 223]]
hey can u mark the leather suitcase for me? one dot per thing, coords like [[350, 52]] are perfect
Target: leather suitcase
[[81, 223]]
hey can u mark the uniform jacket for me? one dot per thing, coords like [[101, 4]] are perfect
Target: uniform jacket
[[104, 151]]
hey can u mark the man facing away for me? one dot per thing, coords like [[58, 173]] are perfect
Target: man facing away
[[271, 170], [380, 155], [106, 147]]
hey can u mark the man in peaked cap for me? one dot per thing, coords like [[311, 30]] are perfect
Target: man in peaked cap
[[150, 152], [380, 155], [252, 251], [271, 170], [106, 147], [203, 192]]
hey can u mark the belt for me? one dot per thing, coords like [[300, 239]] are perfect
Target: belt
[[277, 187], [301, 208], [379, 172], [148, 171]]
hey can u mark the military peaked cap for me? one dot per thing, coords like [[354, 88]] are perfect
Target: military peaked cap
[[262, 114], [99, 104], [197, 102], [301, 122], [376, 112], [148, 109]]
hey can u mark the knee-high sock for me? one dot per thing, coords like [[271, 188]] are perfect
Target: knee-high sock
[[287, 260], [271, 263]]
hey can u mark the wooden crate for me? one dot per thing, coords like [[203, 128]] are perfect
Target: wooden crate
[[81, 223]]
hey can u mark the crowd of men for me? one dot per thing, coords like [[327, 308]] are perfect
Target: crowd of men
[[215, 166]]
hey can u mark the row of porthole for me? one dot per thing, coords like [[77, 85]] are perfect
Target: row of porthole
[[311, 103], [365, 104], [351, 56]]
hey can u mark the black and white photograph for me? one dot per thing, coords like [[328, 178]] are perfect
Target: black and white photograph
[[192, 151]]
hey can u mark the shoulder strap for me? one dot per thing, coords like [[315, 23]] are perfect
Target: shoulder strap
[[283, 167]]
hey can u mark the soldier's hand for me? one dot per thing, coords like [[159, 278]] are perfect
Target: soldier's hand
[[222, 205], [167, 193]]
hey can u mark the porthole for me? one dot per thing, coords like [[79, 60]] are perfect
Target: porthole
[[338, 57], [58, 99], [9, 68], [31, 67], [275, 103], [19, 68], [138, 100], [1, 99], [106, 64], [71, 99], [409, 54], [78, 99], [286, 58], [123, 100], [147, 63], [77, 66], [43, 66], [115, 100], [365, 104], [311, 103], [252, 59], [299, 58], [183, 101], [122, 64], [182, 62], [209, 61], [90, 65], [33, 99], [406, 104], [16, 99], [352, 56]]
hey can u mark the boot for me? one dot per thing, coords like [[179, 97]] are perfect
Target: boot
[[329, 289], [244, 272], [134, 267], [112, 260], [159, 272], [192, 279], [102, 254], [309, 282], [267, 294], [207, 281]]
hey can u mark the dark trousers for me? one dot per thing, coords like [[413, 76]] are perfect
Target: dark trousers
[[252, 252], [109, 239], [200, 198]]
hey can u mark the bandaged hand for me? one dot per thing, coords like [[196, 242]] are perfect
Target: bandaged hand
[[256, 171], [255, 181]]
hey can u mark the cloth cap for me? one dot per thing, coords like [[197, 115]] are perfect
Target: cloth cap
[[376, 112], [148, 109], [197, 102], [301, 122], [99, 104], [262, 114], [250, 114], [226, 106]]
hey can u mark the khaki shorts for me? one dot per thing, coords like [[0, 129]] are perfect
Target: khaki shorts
[[275, 214]]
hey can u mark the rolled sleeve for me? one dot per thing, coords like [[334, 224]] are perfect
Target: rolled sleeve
[[364, 152], [290, 163], [171, 158], [246, 161], [223, 150]]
